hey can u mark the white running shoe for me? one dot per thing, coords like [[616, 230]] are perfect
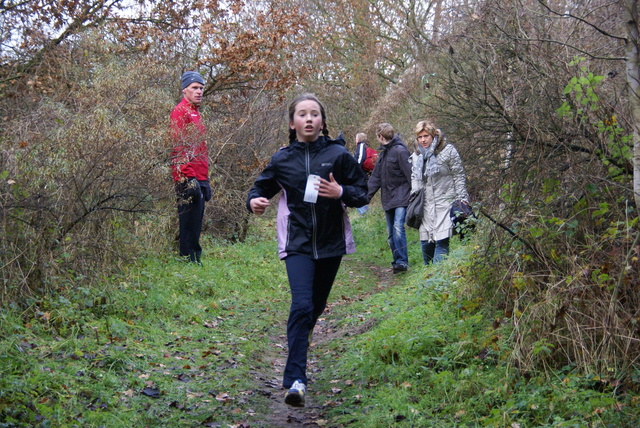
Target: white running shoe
[[295, 395]]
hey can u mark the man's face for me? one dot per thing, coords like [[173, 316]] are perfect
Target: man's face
[[193, 93]]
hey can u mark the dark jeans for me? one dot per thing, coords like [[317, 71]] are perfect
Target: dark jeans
[[434, 251], [190, 214], [310, 282], [396, 236]]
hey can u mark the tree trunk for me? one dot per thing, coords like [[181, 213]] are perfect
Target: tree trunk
[[437, 18], [633, 79]]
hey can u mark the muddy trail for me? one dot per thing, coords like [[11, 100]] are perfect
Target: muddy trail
[[317, 403]]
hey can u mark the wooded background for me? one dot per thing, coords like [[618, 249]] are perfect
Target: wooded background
[[539, 97]]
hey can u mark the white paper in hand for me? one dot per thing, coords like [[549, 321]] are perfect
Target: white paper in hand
[[311, 193]]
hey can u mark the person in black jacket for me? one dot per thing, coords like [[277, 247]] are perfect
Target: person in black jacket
[[318, 178], [392, 176]]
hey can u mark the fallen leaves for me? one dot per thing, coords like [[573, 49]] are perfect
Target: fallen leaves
[[223, 397], [210, 324], [151, 392]]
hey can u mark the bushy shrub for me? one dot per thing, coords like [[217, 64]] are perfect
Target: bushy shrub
[[84, 151]]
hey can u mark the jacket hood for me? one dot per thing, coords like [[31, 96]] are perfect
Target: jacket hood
[[339, 140], [395, 141], [442, 142]]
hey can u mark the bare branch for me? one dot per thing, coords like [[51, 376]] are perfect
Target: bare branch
[[584, 21]]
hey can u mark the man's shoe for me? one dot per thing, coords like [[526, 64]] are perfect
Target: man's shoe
[[295, 395], [399, 268]]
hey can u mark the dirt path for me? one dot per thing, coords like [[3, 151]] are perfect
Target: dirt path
[[282, 415]]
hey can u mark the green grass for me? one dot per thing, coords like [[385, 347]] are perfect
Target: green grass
[[172, 344], [185, 333], [435, 359]]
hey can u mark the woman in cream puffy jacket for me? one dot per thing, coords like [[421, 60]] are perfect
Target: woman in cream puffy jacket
[[438, 168]]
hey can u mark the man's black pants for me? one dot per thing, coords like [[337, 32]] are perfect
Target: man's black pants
[[190, 215]]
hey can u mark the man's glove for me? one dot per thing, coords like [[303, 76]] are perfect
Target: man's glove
[[206, 190], [192, 189]]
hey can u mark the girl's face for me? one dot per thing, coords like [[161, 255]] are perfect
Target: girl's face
[[424, 139], [307, 121]]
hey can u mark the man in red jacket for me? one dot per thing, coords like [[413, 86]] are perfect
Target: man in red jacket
[[190, 164]]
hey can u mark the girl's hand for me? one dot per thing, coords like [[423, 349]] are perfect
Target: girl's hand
[[259, 205], [329, 189]]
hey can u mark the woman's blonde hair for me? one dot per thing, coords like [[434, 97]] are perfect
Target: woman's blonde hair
[[425, 125]]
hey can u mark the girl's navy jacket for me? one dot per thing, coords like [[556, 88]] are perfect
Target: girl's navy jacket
[[320, 229]]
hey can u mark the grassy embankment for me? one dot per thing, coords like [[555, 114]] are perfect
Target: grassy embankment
[[170, 344]]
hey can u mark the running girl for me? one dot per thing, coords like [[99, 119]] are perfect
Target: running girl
[[318, 178]]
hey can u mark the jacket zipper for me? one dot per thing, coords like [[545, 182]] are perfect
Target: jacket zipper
[[313, 206]]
